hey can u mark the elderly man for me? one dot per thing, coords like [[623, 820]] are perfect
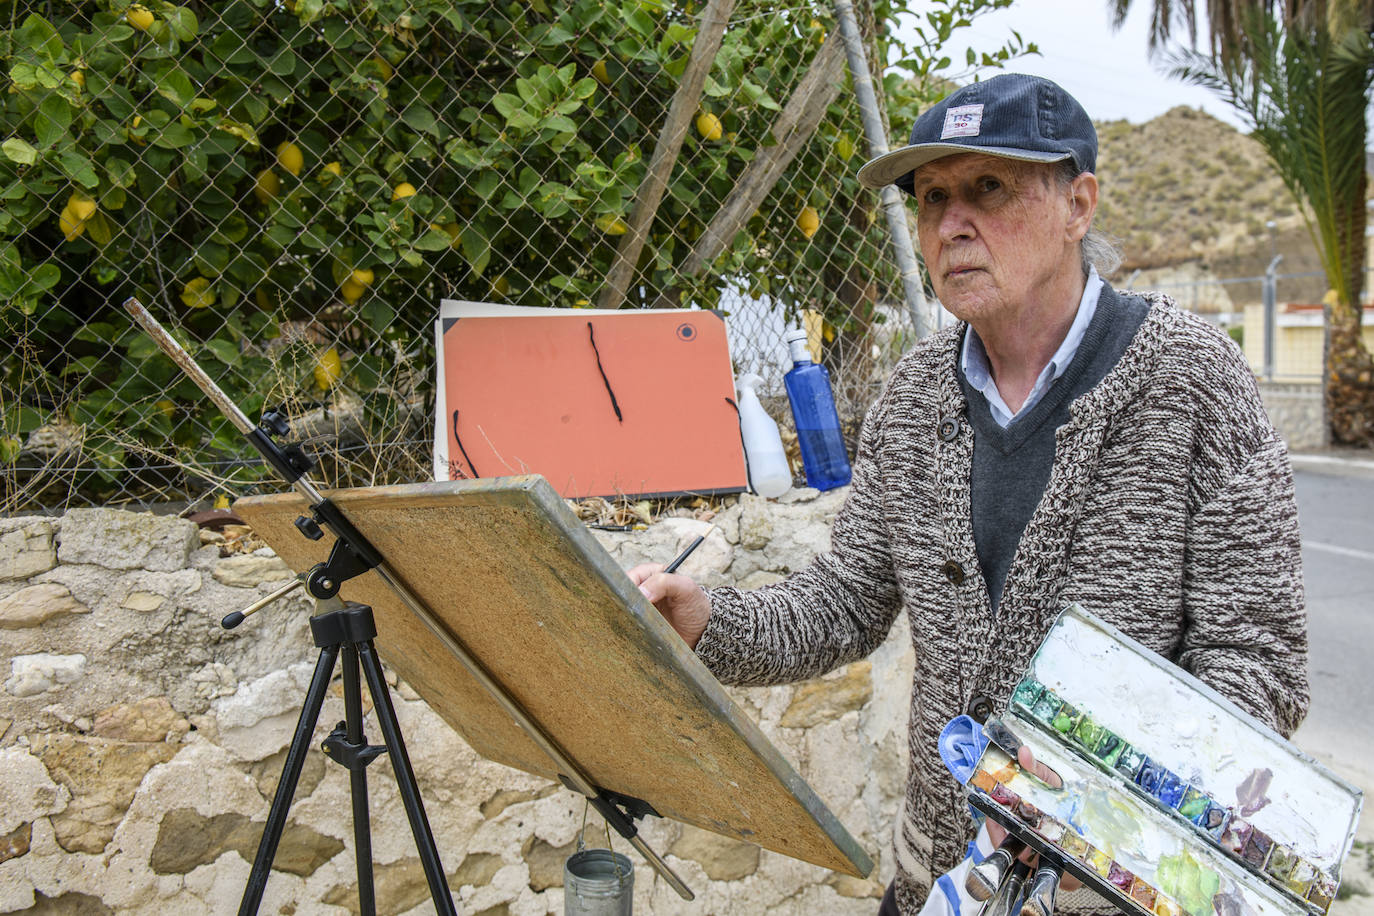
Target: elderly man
[[1065, 442]]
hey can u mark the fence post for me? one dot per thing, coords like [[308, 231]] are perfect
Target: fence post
[[1270, 293], [893, 207]]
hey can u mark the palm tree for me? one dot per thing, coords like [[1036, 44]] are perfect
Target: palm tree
[[1302, 80]]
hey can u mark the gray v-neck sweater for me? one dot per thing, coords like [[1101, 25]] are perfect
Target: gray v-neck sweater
[[1011, 466]]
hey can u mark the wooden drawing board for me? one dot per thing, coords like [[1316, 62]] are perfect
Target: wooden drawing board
[[517, 578]]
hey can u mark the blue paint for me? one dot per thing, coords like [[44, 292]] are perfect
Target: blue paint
[[1149, 775], [1171, 789]]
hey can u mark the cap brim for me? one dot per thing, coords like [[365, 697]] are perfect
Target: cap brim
[[886, 169]]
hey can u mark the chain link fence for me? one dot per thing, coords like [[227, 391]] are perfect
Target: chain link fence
[[290, 186]]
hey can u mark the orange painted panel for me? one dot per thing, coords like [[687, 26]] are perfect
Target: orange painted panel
[[599, 403]]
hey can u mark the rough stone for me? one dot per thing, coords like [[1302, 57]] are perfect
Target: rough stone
[[27, 791], [102, 777], [150, 719], [126, 540], [267, 774], [849, 886], [68, 904], [758, 579], [400, 886], [26, 548], [187, 839], [476, 869], [755, 522], [823, 700], [722, 858], [16, 843], [545, 863], [250, 571], [259, 719], [33, 674], [5, 724], [507, 797], [37, 604], [143, 601]]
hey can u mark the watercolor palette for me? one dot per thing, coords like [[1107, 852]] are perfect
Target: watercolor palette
[[1174, 800]]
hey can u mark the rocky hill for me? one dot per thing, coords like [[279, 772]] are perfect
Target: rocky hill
[[1188, 190]]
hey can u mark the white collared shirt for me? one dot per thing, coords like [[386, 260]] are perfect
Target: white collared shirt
[[978, 370]]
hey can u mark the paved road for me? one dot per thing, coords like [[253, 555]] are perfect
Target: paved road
[[1336, 507]]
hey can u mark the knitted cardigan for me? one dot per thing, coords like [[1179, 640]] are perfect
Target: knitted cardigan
[[1169, 513]]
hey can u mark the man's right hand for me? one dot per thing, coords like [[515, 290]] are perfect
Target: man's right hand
[[679, 599]]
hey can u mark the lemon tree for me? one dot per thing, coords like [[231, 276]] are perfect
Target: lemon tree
[[251, 165]]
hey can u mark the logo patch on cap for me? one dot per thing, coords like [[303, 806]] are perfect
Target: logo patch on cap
[[964, 121]]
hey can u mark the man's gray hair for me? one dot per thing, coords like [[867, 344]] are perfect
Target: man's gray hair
[[1099, 249]]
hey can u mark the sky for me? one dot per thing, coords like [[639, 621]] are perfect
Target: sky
[[1108, 71]]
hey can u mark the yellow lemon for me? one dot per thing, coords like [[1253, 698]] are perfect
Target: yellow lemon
[[612, 225], [332, 168], [709, 126], [71, 225], [808, 221], [82, 207], [500, 286], [363, 277], [198, 294], [455, 233], [165, 407], [267, 185], [351, 291], [289, 157], [78, 77], [328, 369], [403, 190], [601, 74], [140, 18]]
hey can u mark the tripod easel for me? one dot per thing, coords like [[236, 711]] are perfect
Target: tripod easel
[[351, 632]]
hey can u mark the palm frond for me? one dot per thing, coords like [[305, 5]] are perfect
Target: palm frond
[[1304, 95]]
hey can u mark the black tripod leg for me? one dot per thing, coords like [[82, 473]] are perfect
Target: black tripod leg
[[362, 825], [290, 776], [405, 781]]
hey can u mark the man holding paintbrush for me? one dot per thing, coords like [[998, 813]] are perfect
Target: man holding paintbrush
[[1065, 442]]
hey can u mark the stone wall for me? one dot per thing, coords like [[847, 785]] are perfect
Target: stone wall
[[140, 743], [1297, 412]]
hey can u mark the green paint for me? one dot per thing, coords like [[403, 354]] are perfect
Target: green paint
[[1183, 878], [1065, 719]]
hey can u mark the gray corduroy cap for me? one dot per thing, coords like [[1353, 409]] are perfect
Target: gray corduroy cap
[[1011, 115]]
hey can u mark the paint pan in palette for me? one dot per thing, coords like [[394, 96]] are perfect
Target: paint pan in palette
[[1174, 801]]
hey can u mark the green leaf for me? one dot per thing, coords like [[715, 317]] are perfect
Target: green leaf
[[174, 136], [20, 151], [176, 86], [476, 248], [284, 64], [183, 23], [378, 315], [52, 119], [78, 168], [421, 118], [225, 351]]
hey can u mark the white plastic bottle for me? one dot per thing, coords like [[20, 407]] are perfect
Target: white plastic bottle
[[769, 472]]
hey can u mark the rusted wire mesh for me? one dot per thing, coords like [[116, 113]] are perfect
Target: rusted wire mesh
[[292, 185]]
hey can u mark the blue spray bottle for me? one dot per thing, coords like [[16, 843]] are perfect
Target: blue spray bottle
[[813, 411]]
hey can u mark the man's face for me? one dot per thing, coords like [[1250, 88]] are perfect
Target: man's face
[[997, 235]]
